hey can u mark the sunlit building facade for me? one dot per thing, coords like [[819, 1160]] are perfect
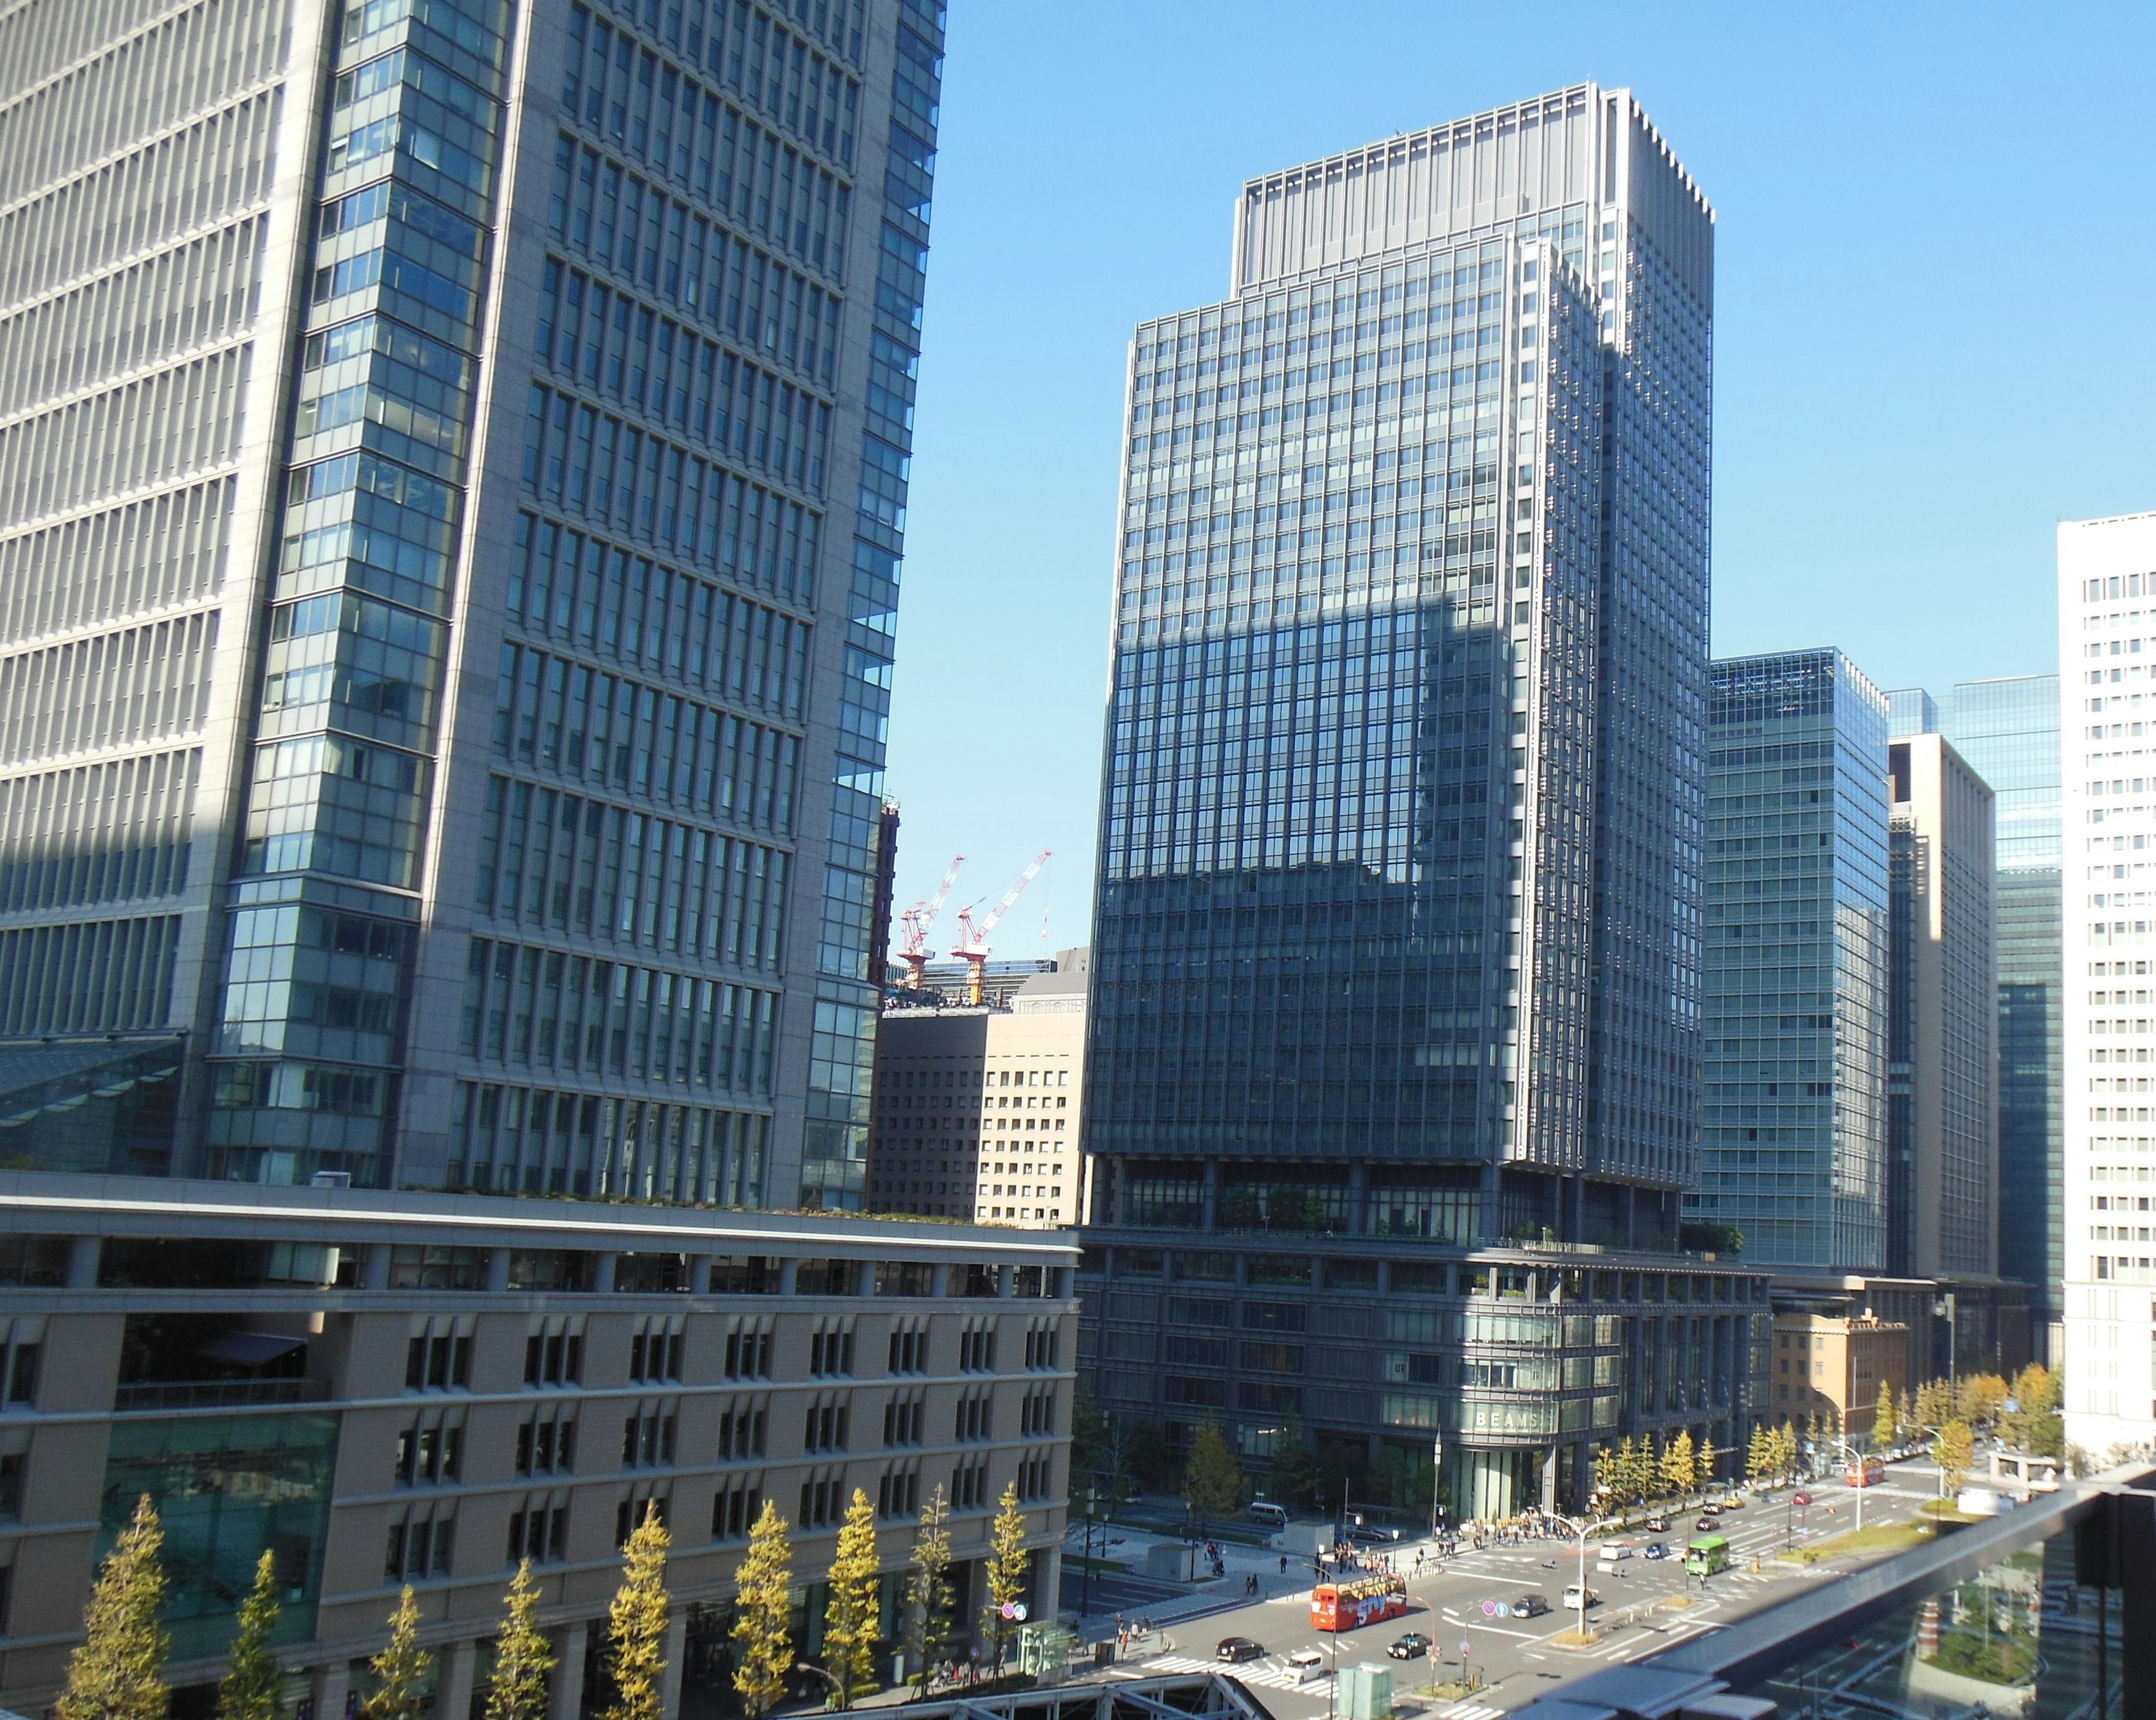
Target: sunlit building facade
[[1397, 932], [452, 489], [2106, 646]]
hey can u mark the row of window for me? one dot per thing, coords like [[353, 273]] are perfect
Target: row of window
[[523, 1004], [615, 475], [598, 597], [567, 863], [663, 117]]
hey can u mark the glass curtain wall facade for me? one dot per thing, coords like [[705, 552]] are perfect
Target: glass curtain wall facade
[[1399, 923], [1407, 739], [500, 802], [2008, 730], [1793, 1128]]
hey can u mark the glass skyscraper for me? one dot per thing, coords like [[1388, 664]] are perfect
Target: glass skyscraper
[[2008, 730], [451, 497], [1793, 1125], [1399, 925]]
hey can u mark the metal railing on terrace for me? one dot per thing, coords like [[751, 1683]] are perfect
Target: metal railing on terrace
[[2049, 1610]]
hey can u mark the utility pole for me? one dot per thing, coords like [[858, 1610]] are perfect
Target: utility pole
[[1085, 1576]]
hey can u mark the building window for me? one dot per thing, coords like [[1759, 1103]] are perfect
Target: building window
[[898, 1493], [823, 1499], [748, 1350], [969, 1485], [642, 1501], [420, 1546], [1036, 1475], [655, 1352], [546, 1445], [539, 1529], [418, 1266], [438, 1357], [20, 1363], [823, 1425], [430, 1451], [909, 1347], [831, 1349], [975, 1416], [647, 1438], [977, 1348], [734, 1509], [902, 1419], [554, 1353], [740, 1430], [1041, 1345], [905, 1278], [1037, 1413]]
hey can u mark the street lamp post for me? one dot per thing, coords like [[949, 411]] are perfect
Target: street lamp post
[[1436, 1479], [1851, 1454], [1581, 1528], [1086, 1574], [837, 1689]]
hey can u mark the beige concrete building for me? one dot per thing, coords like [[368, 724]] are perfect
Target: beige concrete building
[[386, 1389], [977, 1111], [1832, 1368], [1942, 1072]]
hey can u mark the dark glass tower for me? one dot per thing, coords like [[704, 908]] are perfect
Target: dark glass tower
[[1399, 911], [1401, 832]]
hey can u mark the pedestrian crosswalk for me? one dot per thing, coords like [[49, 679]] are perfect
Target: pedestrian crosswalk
[[1272, 1673], [1471, 1711]]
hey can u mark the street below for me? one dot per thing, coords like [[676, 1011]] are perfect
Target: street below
[[1467, 1605]]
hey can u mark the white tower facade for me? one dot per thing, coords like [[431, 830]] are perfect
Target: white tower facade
[[2107, 729]]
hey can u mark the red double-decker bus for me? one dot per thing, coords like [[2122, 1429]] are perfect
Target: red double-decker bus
[[1363, 1601]]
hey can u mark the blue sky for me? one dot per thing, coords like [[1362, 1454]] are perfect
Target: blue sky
[[1933, 331]]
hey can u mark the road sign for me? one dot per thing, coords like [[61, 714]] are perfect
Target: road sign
[[1464, 1645], [1014, 1609], [1489, 1609]]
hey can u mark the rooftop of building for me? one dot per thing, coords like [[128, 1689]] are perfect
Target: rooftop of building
[[37, 1202]]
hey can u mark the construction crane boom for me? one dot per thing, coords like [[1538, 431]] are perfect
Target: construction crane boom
[[915, 921], [973, 938]]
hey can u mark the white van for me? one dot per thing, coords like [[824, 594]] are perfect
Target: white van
[[1272, 1515], [1612, 1551]]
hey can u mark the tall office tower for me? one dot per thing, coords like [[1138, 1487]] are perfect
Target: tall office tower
[[1399, 925], [450, 497], [1942, 1148], [1793, 1123], [2107, 641], [2008, 730]]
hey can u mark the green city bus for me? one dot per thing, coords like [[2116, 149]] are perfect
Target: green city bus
[[1706, 1555]]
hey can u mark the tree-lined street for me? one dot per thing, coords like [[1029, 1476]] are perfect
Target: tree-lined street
[[1644, 1604]]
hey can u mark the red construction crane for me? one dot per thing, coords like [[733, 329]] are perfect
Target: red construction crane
[[973, 940], [914, 924]]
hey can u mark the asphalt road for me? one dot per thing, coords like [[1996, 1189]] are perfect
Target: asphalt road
[[1645, 1605]]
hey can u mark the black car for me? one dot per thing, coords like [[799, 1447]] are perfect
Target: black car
[[1529, 1606], [1413, 1646], [1236, 1649]]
